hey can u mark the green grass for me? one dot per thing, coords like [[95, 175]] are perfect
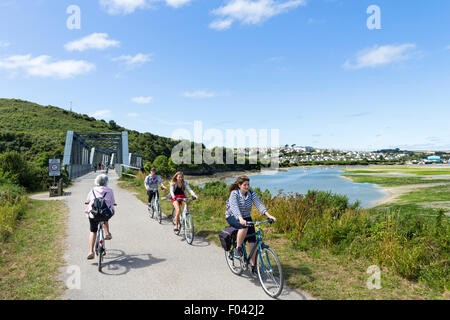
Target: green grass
[[402, 170], [31, 256], [431, 194], [392, 181]]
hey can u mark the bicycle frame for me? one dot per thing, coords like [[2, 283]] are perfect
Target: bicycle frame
[[185, 209], [155, 198], [258, 245], [100, 237], [268, 266], [100, 245]]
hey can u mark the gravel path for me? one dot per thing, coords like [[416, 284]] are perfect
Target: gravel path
[[146, 260]]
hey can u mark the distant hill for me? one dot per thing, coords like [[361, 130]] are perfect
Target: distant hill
[[39, 132]]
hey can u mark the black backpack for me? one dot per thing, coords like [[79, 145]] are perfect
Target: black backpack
[[227, 236], [100, 209]]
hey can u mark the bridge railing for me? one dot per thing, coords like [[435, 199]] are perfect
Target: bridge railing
[[77, 170], [121, 168]]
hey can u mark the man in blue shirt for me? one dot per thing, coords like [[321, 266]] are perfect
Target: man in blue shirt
[[151, 184]]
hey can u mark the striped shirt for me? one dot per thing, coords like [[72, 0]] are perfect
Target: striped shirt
[[239, 205]]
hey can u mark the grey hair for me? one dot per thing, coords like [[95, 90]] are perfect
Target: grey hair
[[101, 180]]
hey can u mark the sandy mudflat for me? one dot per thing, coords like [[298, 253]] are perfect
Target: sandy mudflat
[[395, 192]]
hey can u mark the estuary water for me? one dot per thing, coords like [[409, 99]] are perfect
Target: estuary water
[[300, 180]]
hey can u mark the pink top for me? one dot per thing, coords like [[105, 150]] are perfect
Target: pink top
[[100, 192]]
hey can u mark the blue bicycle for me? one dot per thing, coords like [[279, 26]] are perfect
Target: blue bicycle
[[268, 265]]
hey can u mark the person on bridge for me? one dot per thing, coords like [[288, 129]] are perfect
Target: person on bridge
[[238, 212], [101, 190], [178, 188], [151, 184]]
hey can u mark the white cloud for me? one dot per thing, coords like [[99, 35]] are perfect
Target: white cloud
[[114, 7], [131, 61], [200, 94], [4, 44], [142, 100], [42, 66], [177, 3], [133, 115], [380, 56], [251, 12], [101, 114], [447, 47], [221, 24], [98, 41]]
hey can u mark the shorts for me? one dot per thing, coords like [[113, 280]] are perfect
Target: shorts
[[251, 234], [93, 225], [178, 197]]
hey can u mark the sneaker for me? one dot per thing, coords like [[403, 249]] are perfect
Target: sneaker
[[254, 271], [239, 252]]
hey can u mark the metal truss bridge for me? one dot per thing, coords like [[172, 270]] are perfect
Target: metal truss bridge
[[83, 151]]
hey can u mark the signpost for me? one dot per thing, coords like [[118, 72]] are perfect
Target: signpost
[[54, 169]]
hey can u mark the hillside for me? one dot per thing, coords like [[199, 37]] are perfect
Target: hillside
[[39, 132]]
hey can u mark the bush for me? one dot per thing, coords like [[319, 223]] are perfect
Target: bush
[[14, 168], [164, 166], [12, 205]]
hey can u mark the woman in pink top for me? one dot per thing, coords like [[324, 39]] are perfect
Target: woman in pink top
[[101, 190]]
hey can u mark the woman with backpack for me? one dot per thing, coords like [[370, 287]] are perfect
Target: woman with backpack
[[100, 191], [238, 212]]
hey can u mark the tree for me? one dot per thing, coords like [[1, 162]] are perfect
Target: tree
[[113, 125], [15, 168], [162, 166]]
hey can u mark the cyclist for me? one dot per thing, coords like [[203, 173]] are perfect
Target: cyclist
[[100, 190], [151, 184], [178, 188], [238, 213]]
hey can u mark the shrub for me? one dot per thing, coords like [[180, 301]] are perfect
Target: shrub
[[12, 205]]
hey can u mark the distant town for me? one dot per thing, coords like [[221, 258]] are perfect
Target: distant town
[[292, 154]]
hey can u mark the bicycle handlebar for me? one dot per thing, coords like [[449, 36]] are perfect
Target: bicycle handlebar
[[252, 223], [186, 199]]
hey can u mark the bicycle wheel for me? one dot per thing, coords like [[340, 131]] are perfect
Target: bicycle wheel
[[96, 244], [158, 212], [189, 229], [150, 210], [269, 272], [100, 250], [233, 263]]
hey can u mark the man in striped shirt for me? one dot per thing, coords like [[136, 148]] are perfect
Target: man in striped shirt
[[238, 212]]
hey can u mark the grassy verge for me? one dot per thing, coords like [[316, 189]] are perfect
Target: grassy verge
[[330, 258], [392, 181], [31, 256], [402, 170]]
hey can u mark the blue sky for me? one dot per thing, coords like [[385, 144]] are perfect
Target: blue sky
[[310, 68]]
